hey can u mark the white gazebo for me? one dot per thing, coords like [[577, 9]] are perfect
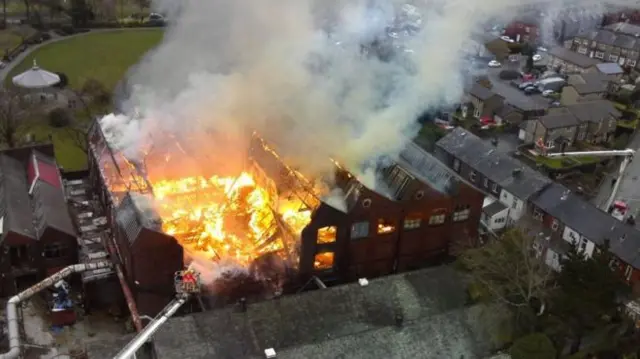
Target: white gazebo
[[36, 78]]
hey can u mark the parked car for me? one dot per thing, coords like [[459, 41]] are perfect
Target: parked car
[[531, 90], [494, 63], [507, 39], [547, 93], [537, 57], [526, 84], [542, 49]]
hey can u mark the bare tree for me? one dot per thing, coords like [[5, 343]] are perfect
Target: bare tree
[[15, 110], [509, 270], [78, 135]]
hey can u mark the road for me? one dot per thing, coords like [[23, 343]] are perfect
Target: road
[[629, 190]]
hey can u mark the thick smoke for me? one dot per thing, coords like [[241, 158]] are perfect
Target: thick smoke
[[319, 78]]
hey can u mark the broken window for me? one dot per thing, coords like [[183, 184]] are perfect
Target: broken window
[[385, 226], [323, 261], [327, 234], [412, 221], [19, 255], [55, 250], [360, 230]]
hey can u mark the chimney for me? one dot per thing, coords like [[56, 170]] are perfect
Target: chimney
[[517, 172]]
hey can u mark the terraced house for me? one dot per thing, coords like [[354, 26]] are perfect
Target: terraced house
[[617, 43], [550, 211]]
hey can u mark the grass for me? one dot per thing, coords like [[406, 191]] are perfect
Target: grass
[[565, 162], [103, 56], [8, 40]]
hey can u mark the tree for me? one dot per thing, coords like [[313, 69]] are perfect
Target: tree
[[143, 4], [533, 346], [588, 294], [15, 108], [80, 13], [509, 271]]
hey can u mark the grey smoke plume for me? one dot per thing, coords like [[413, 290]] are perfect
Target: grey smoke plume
[[295, 71]]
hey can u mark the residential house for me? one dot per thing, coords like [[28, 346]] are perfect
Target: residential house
[[568, 61], [497, 174], [523, 30], [37, 234], [599, 117], [631, 17], [608, 45], [553, 129], [558, 215], [494, 214], [583, 87], [480, 101], [573, 220]]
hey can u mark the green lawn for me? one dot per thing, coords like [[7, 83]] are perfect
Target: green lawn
[[103, 56], [565, 162]]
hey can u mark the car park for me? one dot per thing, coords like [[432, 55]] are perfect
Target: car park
[[494, 63]]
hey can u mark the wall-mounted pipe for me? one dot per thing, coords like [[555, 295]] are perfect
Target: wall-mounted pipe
[[128, 295], [13, 326], [129, 351]]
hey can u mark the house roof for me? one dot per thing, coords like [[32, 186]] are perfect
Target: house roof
[[15, 204], [50, 209], [509, 173], [348, 321], [570, 209], [427, 168], [494, 208], [573, 57], [609, 68], [558, 120], [624, 28], [480, 92], [587, 83], [593, 111], [505, 110], [609, 37]]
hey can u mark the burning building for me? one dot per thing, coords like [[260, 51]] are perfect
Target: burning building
[[277, 224]]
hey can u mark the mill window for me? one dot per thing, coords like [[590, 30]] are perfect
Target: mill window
[[412, 221], [323, 261], [437, 219], [55, 250], [461, 213], [385, 226], [19, 255], [327, 234], [360, 230]]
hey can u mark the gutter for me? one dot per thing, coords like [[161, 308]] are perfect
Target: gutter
[[12, 305]]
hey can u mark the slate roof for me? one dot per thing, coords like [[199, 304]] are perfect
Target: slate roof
[[558, 120], [609, 37], [133, 215], [609, 68], [593, 111], [50, 209], [494, 208], [427, 168], [347, 321], [587, 83], [480, 92], [15, 204], [581, 216], [497, 166], [575, 58], [624, 28]]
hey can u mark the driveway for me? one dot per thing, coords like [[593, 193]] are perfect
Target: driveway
[[513, 95]]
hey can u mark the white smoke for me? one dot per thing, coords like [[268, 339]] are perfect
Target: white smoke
[[294, 70]]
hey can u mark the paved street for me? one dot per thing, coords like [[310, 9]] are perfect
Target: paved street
[[629, 190]]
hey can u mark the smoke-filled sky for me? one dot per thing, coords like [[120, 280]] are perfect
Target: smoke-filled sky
[[294, 70]]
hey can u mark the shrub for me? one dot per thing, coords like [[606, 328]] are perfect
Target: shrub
[[99, 94], [533, 346], [64, 80], [59, 117]]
